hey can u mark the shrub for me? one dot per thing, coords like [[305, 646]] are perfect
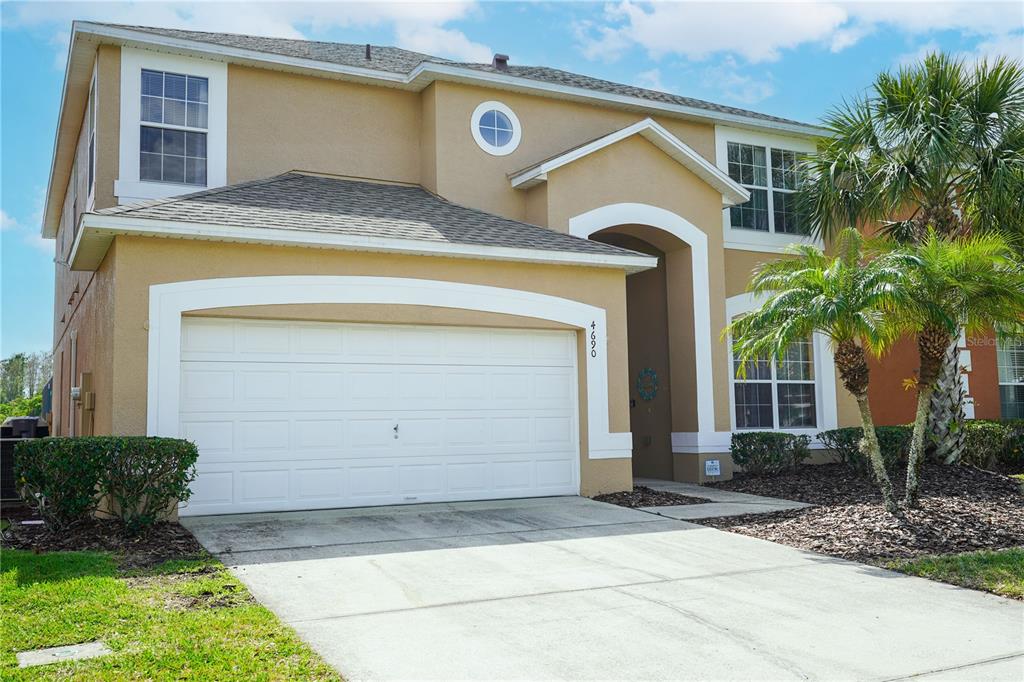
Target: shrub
[[768, 452], [22, 407], [993, 444], [60, 477], [145, 476], [64, 478], [893, 442], [984, 441]]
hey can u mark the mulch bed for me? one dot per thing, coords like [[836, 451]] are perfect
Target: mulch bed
[[163, 542], [962, 509], [642, 496]]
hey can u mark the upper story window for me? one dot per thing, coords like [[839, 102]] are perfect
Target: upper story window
[[496, 128], [92, 136], [1010, 361], [174, 149], [769, 174]]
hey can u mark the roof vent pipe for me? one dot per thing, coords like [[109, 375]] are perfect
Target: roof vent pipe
[[500, 62], [367, 50]]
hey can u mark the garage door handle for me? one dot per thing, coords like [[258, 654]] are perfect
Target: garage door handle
[[396, 430]]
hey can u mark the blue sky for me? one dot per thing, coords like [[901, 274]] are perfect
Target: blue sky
[[791, 59]]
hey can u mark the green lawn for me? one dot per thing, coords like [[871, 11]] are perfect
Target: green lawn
[[182, 619], [1000, 572]]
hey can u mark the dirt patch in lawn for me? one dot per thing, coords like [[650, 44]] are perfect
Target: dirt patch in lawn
[[642, 496], [962, 509], [162, 542]]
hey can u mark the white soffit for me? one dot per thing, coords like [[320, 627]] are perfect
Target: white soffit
[[656, 134]]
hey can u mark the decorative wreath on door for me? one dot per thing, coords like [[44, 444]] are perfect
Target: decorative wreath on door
[[647, 383]]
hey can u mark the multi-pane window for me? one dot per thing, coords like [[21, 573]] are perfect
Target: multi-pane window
[[1010, 361], [772, 206], [173, 150], [92, 135], [779, 395]]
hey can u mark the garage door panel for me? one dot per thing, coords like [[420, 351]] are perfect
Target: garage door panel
[[303, 415]]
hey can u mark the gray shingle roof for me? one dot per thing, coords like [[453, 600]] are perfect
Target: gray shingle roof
[[397, 60], [312, 203]]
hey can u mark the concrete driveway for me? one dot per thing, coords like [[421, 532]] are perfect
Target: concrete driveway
[[568, 588]]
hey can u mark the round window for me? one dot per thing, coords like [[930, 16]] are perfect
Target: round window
[[496, 129]]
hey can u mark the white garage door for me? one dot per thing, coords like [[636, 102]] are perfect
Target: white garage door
[[315, 415]]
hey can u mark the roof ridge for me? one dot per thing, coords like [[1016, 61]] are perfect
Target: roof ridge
[[151, 203]]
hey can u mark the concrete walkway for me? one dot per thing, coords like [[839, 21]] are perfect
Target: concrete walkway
[[722, 502], [569, 588]]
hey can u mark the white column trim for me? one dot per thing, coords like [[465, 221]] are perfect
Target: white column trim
[[586, 224], [167, 302]]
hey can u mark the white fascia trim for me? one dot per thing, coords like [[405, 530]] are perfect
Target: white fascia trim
[[611, 215], [824, 371], [167, 302], [732, 192], [426, 72], [107, 226]]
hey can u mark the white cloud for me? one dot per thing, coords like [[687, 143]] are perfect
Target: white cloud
[[761, 31], [416, 24], [738, 87], [651, 79], [7, 222], [918, 55]]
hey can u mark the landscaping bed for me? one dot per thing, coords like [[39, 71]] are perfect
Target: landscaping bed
[[642, 496], [963, 509], [162, 542]]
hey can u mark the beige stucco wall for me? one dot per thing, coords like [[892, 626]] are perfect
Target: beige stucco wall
[[142, 262], [282, 121], [634, 170], [549, 126]]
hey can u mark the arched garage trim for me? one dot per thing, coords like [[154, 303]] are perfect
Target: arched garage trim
[[586, 224], [167, 302]]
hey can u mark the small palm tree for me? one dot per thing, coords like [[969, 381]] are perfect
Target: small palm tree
[[843, 297], [970, 283], [938, 145]]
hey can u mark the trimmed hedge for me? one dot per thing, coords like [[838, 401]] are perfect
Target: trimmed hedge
[[768, 452], [65, 478], [893, 441], [994, 444]]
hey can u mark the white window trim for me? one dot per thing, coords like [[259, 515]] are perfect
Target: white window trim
[[517, 128], [752, 240], [999, 379], [167, 302], [92, 105], [128, 188], [824, 376]]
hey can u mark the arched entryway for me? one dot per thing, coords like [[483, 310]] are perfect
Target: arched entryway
[[669, 328]]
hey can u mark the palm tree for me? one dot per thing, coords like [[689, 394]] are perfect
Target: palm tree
[[937, 145], [970, 283], [843, 297]]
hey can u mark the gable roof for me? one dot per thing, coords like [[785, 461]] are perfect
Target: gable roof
[[400, 61], [732, 192], [388, 66], [331, 212]]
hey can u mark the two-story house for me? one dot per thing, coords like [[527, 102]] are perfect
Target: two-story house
[[359, 275]]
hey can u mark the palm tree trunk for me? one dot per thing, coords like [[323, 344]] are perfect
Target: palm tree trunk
[[924, 400], [946, 412], [869, 447]]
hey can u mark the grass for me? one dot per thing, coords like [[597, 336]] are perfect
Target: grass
[[1000, 572], [179, 620]]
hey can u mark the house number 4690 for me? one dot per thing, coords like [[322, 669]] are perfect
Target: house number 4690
[[593, 339]]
